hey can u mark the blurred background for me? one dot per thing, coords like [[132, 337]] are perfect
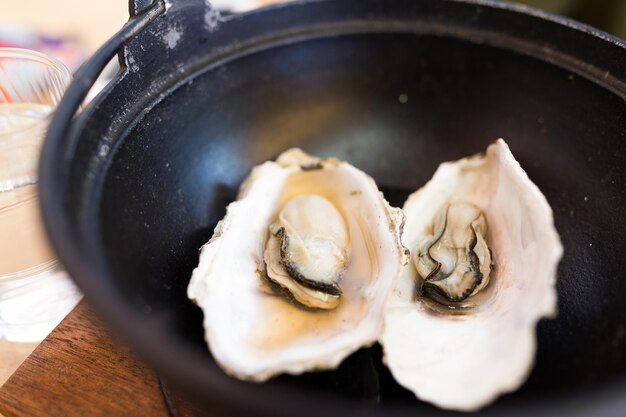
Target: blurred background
[[73, 29]]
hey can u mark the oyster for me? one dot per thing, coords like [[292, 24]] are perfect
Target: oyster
[[298, 272], [306, 252], [455, 262], [460, 324]]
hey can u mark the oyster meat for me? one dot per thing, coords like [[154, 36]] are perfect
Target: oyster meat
[[306, 252], [460, 323], [298, 272], [455, 262]]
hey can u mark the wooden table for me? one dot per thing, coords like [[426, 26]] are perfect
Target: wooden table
[[80, 369]]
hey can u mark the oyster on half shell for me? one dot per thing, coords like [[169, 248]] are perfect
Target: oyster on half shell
[[460, 323], [298, 272]]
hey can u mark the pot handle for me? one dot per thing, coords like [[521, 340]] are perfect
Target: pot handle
[[142, 12], [137, 7]]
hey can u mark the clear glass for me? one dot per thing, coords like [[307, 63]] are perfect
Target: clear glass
[[35, 293]]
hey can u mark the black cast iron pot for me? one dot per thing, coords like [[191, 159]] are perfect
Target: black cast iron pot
[[134, 185]]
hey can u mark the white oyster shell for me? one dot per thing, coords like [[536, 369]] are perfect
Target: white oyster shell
[[255, 332], [465, 360]]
